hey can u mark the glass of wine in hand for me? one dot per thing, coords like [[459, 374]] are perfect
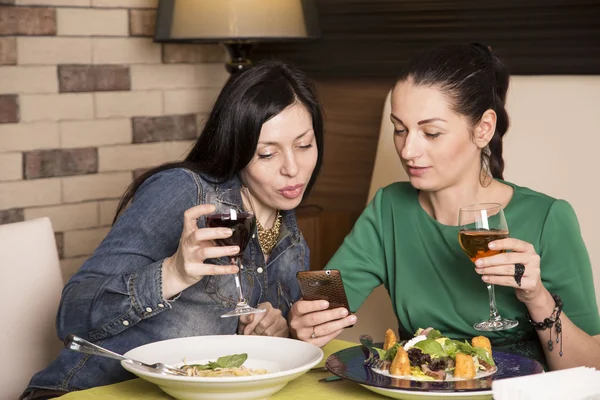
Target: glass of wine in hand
[[231, 213], [479, 225]]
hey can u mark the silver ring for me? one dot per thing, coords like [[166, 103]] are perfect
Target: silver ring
[[313, 335]]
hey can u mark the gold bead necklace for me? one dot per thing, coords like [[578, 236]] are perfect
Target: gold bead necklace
[[267, 238]]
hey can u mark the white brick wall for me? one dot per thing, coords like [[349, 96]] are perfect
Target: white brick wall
[[125, 3], [28, 80], [125, 51], [125, 158], [67, 217], [71, 3], [11, 166], [24, 137], [82, 242], [71, 265], [91, 22], [93, 32], [97, 132], [37, 192], [189, 101], [94, 187], [107, 209], [172, 76], [53, 50], [56, 107], [128, 104]]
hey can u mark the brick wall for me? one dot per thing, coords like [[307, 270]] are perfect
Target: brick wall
[[87, 101]]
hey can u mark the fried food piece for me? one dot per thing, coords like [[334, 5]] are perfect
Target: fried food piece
[[401, 363], [482, 341], [465, 367], [390, 339]]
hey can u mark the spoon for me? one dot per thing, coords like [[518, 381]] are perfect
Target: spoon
[[76, 343]]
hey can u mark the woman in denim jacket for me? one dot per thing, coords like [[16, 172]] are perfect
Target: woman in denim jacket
[[157, 275]]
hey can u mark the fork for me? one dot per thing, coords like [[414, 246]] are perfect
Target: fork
[[73, 342], [373, 361]]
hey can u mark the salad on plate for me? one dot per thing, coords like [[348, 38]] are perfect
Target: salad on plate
[[430, 356]]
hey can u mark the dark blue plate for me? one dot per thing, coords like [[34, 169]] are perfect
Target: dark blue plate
[[349, 364]]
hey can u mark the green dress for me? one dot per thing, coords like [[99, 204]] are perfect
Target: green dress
[[432, 282]]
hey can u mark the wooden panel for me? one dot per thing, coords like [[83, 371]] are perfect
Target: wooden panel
[[375, 38], [308, 223], [333, 228], [353, 110], [324, 232]]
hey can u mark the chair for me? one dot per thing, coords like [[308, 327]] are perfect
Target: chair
[[387, 168], [31, 286]]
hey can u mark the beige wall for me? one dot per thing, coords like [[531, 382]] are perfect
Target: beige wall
[[87, 100], [552, 147]]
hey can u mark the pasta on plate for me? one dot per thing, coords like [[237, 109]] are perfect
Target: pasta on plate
[[226, 366]]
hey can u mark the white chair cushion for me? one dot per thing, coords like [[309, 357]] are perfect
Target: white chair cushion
[[31, 285]]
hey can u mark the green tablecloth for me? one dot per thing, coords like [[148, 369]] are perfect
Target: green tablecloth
[[305, 387]]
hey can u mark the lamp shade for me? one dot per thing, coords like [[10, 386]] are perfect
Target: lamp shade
[[235, 20]]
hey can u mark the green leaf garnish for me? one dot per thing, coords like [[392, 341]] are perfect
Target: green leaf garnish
[[232, 361], [434, 334], [454, 346], [199, 366], [482, 354], [381, 352], [431, 347], [390, 354]]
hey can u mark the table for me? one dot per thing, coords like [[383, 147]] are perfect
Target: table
[[305, 387]]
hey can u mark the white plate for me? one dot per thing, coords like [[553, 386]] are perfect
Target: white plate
[[349, 364], [412, 395], [285, 360]]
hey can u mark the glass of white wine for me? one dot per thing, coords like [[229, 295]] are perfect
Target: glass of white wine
[[480, 224]]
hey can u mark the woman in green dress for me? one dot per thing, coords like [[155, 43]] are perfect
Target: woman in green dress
[[449, 120]]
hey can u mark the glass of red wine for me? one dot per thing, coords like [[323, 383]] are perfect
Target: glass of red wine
[[480, 224], [230, 212]]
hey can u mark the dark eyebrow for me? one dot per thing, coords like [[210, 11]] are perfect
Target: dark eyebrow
[[425, 121], [298, 137]]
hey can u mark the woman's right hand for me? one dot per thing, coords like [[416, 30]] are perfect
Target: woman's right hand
[[308, 317], [186, 266]]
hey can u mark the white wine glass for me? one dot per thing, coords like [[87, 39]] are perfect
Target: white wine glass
[[480, 224]]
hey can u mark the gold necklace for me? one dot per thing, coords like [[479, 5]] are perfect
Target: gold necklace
[[267, 238]]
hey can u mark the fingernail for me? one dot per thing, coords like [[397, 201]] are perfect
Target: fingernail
[[343, 312], [235, 249], [324, 304], [485, 278], [491, 245], [226, 231], [479, 262], [353, 319]]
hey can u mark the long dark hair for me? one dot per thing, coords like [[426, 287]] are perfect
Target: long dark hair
[[475, 80], [229, 138]]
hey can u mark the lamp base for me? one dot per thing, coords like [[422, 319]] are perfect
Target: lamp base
[[239, 56]]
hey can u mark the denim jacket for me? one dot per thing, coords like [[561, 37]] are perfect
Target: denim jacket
[[115, 299]]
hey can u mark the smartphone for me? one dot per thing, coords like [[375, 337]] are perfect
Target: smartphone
[[323, 285]]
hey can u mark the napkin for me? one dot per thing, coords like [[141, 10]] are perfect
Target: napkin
[[580, 383]]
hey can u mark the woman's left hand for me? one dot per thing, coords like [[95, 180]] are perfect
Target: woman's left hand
[[269, 323], [500, 268]]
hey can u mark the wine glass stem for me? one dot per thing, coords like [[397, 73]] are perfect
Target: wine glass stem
[[238, 283], [494, 315]]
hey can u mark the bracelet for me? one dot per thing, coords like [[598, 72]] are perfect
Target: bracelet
[[548, 323]]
